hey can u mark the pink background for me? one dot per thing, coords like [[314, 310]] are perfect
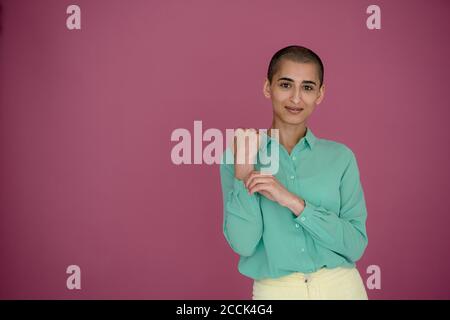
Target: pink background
[[86, 176]]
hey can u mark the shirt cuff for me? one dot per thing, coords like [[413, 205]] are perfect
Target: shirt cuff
[[306, 213], [241, 203]]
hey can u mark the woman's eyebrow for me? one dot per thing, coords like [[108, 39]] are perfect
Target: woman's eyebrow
[[303, 82], [309, 82]]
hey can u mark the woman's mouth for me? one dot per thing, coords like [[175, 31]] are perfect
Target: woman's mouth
[[294, 110]]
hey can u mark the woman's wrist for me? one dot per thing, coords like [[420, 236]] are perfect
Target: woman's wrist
[[296, 204], [242, 171]]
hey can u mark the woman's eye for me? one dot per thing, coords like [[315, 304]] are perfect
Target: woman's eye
[[308, 88], [285, 85]]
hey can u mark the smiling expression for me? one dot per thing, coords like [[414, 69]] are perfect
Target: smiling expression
[[295, 91]]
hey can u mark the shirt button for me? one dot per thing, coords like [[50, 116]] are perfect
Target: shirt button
[[294, 158], [292, 177], [302, 249], [303, 218], [297, 225]]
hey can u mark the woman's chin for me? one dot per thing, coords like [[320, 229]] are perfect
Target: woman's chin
[[293, 120], [290, 119]]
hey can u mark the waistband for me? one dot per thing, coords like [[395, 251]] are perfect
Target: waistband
[[323, 274]]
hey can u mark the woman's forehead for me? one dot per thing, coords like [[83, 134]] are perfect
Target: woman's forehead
[[297, 70]]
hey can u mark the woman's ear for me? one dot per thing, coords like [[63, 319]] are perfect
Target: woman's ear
[[266, 89], [321, 94]]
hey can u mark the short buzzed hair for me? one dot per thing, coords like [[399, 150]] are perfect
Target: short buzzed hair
[[296, 54]]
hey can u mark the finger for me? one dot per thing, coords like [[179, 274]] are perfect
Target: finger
[[249, 177], [259, 179], [261, 186], [257, 174]]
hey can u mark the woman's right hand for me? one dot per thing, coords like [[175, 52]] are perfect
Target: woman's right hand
[[244, 166]]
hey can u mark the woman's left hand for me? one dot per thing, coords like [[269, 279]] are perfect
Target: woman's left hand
[[269, 186]]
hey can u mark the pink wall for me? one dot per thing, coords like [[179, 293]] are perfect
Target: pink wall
[[86, 176]]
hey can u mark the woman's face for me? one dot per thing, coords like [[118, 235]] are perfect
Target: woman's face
[[294, 91]]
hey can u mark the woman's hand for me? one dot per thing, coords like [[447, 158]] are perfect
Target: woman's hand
[[269, 186], [245, 154]]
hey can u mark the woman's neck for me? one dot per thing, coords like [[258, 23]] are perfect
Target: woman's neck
[[289, 135]]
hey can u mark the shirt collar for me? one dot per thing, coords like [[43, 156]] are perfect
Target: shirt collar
[[309, 137]]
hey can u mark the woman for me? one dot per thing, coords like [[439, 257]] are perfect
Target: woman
[[299, 231]]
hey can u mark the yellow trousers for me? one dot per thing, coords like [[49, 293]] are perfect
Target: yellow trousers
[[324, 284]]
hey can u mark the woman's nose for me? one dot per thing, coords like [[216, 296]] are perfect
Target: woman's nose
[[296, 97]]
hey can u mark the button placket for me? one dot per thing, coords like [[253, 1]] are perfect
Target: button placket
[[292, 175], [301, 245]]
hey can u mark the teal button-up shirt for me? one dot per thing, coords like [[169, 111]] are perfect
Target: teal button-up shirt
[[331, 230]]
